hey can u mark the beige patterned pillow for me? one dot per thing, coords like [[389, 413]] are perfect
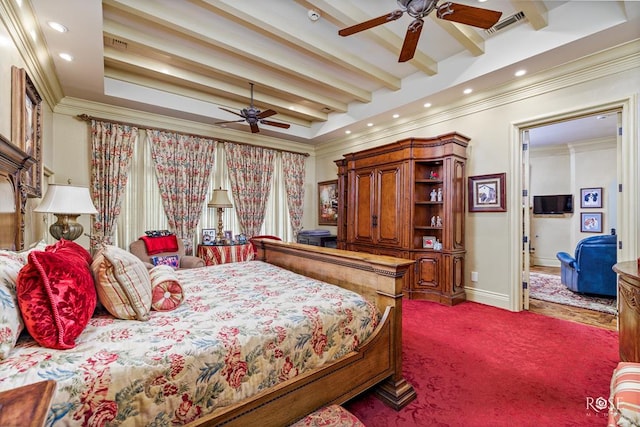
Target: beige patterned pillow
[[122, 283], [10, 318]]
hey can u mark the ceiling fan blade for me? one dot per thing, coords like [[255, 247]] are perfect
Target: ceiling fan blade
[[229, 121], [469, 15], [230, 111], [411, 40], [371, 23], [266, 113], [276, 124], [254, 127]]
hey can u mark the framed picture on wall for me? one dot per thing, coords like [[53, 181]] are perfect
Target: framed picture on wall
[[26, 127], [487, 193], [591, 197], [591, 222], [328, 202]]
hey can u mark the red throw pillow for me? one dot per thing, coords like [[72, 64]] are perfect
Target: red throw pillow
[[68, 248], [56, 295]]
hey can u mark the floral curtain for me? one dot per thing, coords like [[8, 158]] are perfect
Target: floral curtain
[[183, 164], [250, 172], [111, 149], [293, 165]]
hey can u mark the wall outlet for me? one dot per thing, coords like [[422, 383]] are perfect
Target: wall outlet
[[474, 276]]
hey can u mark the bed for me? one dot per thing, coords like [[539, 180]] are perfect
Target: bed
[[173, 354]]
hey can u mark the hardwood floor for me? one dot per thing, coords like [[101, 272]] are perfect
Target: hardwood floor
[[566, 312]]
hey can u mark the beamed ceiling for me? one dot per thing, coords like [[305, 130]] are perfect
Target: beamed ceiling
[[188, 58]]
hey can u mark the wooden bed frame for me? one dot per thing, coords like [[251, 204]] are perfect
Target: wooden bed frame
[[378, 361]]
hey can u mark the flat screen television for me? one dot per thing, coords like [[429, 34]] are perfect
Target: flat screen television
[[553, 204]]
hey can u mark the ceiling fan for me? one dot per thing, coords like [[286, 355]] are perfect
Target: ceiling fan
[[253, 116], [418, 9]]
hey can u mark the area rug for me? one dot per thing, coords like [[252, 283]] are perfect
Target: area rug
[[547, 287], [474, 365]]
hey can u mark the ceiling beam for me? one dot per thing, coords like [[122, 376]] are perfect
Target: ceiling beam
[[196, 58], [464, 34], [167, 18], [535, 11], [212, 90], [307, 43]]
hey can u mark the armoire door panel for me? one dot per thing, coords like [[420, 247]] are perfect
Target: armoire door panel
[[390, 194], [364, 206]]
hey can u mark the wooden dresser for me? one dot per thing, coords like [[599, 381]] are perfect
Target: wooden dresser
[[407, 199], [629, 310]]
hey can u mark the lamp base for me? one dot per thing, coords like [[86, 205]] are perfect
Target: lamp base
[[66, 227]]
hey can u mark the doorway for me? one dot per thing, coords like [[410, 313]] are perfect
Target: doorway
[[562, 150]]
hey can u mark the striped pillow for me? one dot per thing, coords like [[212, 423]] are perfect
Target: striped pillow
[[624, 407], [123, 283]]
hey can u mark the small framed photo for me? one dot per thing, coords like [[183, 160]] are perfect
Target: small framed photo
[[591, 197], [208, 236], [428, 242], [591, 222], [228, 236], [487, 193]]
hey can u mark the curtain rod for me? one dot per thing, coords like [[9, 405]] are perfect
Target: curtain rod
[[88, 118]]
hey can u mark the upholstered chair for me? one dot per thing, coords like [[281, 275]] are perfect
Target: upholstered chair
[[139, 249], [590, 270]]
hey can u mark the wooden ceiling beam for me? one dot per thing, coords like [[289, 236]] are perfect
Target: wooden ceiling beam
[[464, 34]]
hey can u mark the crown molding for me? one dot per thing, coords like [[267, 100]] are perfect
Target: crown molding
[[20, 21]]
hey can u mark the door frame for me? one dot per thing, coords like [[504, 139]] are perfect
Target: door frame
[[628, 177]]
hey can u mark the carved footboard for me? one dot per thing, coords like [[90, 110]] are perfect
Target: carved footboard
[[378, 362]]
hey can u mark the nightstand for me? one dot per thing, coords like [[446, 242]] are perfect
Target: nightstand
[[222, 254]]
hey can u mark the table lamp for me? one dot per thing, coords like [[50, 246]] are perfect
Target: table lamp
[[66, 202], [220, 200]]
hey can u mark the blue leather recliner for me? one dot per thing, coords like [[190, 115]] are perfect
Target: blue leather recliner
[[590, 271]]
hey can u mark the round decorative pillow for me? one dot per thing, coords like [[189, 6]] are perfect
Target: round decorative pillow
[[166, 291]]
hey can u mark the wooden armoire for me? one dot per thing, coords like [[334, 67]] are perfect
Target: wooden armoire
[[407, 199]]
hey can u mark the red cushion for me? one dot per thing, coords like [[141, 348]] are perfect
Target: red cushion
[[56, 295], [70, 249]]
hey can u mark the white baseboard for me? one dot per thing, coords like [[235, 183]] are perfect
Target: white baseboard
[[489, 298]]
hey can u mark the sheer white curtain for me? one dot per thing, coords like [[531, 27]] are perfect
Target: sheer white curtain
[[142, 205]]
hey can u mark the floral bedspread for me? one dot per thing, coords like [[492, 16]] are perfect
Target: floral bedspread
[[242, 328]]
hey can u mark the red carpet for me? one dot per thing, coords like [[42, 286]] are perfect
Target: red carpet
[[476, 365]]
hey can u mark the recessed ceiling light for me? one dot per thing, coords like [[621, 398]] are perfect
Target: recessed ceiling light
[[520, 73], [292, 108], [601, 117], [66, 57], [467, 91], [347, 132], [395, 116], [369, 124], [427, 104], [58, 26]]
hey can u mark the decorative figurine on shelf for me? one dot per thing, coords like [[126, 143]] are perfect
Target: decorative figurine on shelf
[[433, 221], [433, 195], [433, 175], [439, 194], [437, 246], [438, 221]]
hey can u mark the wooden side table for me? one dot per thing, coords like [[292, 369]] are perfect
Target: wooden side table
[[222, 254], [628, 310], [27, 405]]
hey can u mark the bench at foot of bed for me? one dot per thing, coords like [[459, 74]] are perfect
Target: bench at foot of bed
[[332, 415]]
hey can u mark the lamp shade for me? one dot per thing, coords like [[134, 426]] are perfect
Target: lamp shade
[[220, 199], [66, 199]]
